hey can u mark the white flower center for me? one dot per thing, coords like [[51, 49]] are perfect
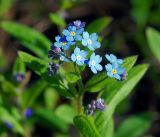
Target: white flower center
[[89, 41], [93, 63], [79, 57]]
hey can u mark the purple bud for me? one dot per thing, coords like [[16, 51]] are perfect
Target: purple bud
[[52, 68], [19, 77], [78, 24], [55, 49], [124, 76], [100, 105], [28, 112]]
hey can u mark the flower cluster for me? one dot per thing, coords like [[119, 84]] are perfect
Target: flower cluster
[[96, 105], [84, 45]]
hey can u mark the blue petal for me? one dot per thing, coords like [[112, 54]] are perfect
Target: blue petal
[[57, 38], [80, 31], [120, 61], [91, 47], [120, 70], [117, 76], [94, 36], [78, 37], [108, 57], [110, 74], [98, 67], [86, 35], [108, 67], [84, 53], [57, 44], [66, 32], [94, 70], [77, 50], [70, 38], [73, 57], [96, 44], [84, 42], [79, 62]]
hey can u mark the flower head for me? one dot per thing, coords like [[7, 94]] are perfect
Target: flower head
[[28, 113], [73, 34], [91, 41], [78, 24], [113, 59], [79, 56], [114, 71], [52, 69], [94, 63], [62, 42]]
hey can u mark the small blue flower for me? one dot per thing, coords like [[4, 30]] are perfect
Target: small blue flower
[[94, 63], [62, 42], [79, 56], [78, 24], [91, 41], [113, 59], [73, 34], [28, 112], [114, 71]]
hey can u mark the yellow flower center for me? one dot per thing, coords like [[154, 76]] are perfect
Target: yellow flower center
[[73, 33], [78, 57], [64, 43], [114, 71]]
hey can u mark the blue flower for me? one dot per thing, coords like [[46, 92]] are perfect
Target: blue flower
[[79, 56], [72, 33], [78, 24], [94, 63], [113, 59], [114, 71], [91, 41], [28, 112], [62, 42]]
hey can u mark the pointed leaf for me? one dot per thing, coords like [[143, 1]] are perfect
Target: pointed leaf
[[153, 37], [86, 126], [30, 38]]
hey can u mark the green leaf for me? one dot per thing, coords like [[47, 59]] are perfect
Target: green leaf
[[39, 66], [51, 97], [123, 91], [101, 80], [153, 38], [30, 38], [86, 126], [57, 19], [68, 111], [5, 116], [72, 77], [5, 5], [98, 25], [32, 93], [19, 67], [109, 130], [50, 120], [134, 126]]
